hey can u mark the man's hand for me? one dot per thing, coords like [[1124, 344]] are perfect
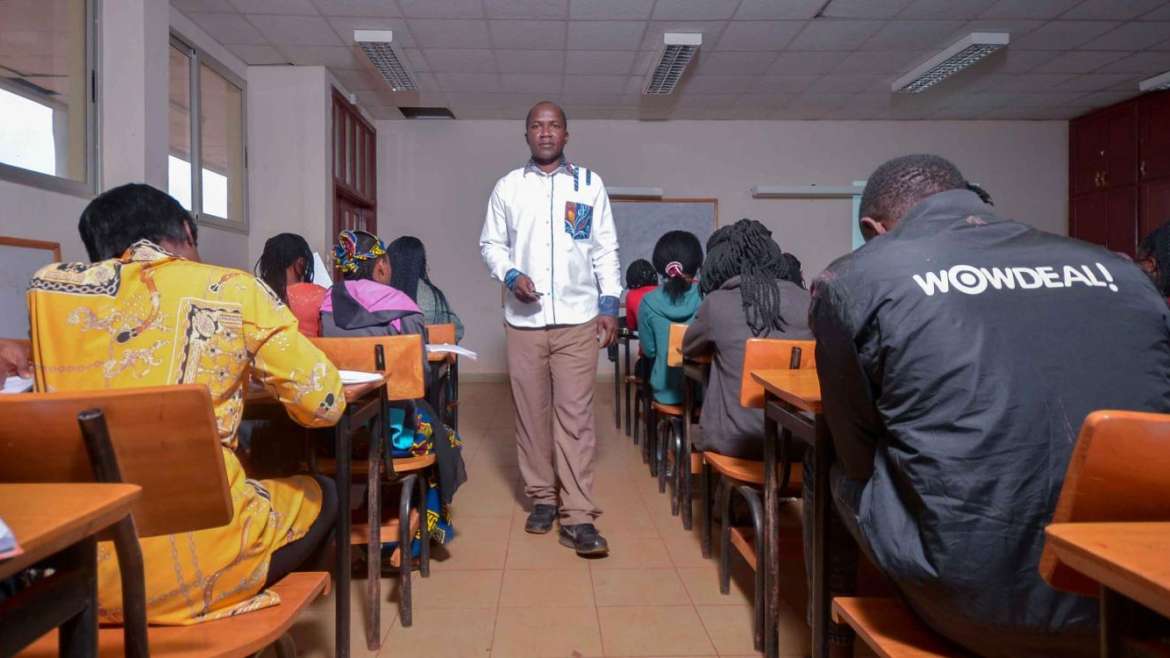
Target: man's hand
[[14, 357], [606, 330], [525, 290]]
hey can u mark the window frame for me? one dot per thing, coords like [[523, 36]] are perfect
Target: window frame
[[86, 188], [197, 58]]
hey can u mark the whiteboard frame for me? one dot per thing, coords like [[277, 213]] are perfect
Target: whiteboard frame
[[670, 199], [45, 245]]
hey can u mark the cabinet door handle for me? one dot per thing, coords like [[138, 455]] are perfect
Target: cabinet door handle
[[1142, 168]]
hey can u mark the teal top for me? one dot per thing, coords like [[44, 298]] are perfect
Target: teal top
[[655, 315]]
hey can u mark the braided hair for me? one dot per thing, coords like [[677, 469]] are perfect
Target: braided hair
[[678, 257], [746, 249], [409, 257], [280, 253], [795, 272], [640, 273]]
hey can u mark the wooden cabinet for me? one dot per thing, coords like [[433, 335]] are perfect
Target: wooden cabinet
[[1119, 172]]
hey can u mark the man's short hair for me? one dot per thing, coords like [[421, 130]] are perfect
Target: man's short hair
[[118, 218], [528, 117], [899, 184]]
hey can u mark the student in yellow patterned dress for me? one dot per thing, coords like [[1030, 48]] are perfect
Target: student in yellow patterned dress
[[146, 312]]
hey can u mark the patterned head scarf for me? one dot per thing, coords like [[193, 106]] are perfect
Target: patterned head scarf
[[346, 251]]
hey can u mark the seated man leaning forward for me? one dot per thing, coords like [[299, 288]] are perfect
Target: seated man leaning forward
[[146, 312], [958, 354]]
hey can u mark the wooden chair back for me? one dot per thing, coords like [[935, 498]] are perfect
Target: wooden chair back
[[674, 355], [164, 437], [441, 333], [771, 354], [1117, 472], [403, 367]]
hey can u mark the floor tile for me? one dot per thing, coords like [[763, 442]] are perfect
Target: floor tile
[[653, 631], [638, 587], [456, 633], [534, 632], [541, 552], [634, 553], [559, 588], [702, 584], [479, 543], [455, 589]]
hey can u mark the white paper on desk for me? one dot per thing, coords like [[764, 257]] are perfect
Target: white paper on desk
[[8, 546], [17, 384], [320, 272], [453, 349], [358, 377]]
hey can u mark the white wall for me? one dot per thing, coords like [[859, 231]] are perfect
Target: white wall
[[435, 178]]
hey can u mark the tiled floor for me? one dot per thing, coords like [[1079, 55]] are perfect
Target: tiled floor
[[497, 592]]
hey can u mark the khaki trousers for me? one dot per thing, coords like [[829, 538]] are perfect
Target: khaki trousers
[[552, 371]]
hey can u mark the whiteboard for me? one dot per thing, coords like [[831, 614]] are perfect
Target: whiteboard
[[640, 224], [19, 260]]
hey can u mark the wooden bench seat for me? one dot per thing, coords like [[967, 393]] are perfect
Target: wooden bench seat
[[242, 635], [668, 409], [891, 629], [328, 465]]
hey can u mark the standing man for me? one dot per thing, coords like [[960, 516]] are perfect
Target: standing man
[[549, 237]]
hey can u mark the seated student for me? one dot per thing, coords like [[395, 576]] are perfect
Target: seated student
[[677, 257], [1153, 256], [793, 270], [954, 389], [410, 275], [641, 279], [146, 312], [747, 293], [286, 265], [14, 358], [364, 304]]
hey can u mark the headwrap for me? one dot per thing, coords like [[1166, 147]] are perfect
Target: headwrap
[[347, 255]]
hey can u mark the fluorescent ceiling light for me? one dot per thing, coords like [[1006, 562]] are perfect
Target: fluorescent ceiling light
[[376, 45], [962, 54], [636, 192], [679, 48], [805, 191], [1155, 83]]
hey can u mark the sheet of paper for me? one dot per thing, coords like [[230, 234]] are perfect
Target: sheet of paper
[[320, 272], [455, 349], [15, 384], [8, 546]]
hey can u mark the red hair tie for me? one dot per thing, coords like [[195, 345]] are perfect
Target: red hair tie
[[674, 269]]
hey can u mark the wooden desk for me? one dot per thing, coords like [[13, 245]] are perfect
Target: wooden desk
[[365, 404], [1131, 561], [792, 407], [58, 523]]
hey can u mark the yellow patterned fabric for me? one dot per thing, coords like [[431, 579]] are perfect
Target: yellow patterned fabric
[[151, 319]]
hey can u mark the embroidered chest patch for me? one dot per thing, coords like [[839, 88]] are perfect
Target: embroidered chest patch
[[578, 220]]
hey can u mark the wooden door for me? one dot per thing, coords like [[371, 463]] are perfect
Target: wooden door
[[1089, 218], [1086, 148], [1155, 206], [1123, 219], [1121, 148], [1154, 135]]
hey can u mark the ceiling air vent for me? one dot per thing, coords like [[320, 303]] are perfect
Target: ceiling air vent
[[376, 45], [679, 48], [426, 113]]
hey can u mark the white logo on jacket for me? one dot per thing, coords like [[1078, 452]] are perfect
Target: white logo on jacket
[[971, 280]]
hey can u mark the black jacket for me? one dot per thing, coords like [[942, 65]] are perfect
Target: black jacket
[[958, 356]]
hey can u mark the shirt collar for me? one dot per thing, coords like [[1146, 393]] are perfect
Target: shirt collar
[[565, 167], [145, 251]]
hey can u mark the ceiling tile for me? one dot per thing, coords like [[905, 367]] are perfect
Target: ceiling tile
[[1062, 35], [342, 57], [733, 63], [258, 55], [711, 31], [415, 60], [229, 29], [1079, 61], [915, 35], [526, 8], [441, 8], [848, 84], [692, 10], [1147, 64], [945, 9], [295, 30], [1102, 10], [530, 61], [571, 97], [788, 84], [1103, 98], [610, 9], [707, 101], [864, 8], [430, 33], [537, 83], [287, 7], [759, 35], [751, 10], [1132, 36], [468, 82], [1015, 28], [806, 63], [371, 8], [834, 35], [1162, 14], [811, 100], [768, 101], [881, 61], [528, 35], [601, 84], [202, 5], [1010, 60], [445, 60], [718, 84], [1041, 9], [600, 62], [635, 83], [1100, 82], [606, 35], [1027, 82], [344, 26]]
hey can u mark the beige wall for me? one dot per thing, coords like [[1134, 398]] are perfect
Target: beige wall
[[435, 178]]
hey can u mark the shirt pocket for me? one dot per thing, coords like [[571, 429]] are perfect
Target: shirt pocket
[[578, 220]]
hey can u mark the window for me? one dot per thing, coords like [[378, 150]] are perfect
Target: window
[[207, 136], [47, 110]]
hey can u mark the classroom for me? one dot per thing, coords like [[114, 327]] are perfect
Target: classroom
[[584, 328]]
